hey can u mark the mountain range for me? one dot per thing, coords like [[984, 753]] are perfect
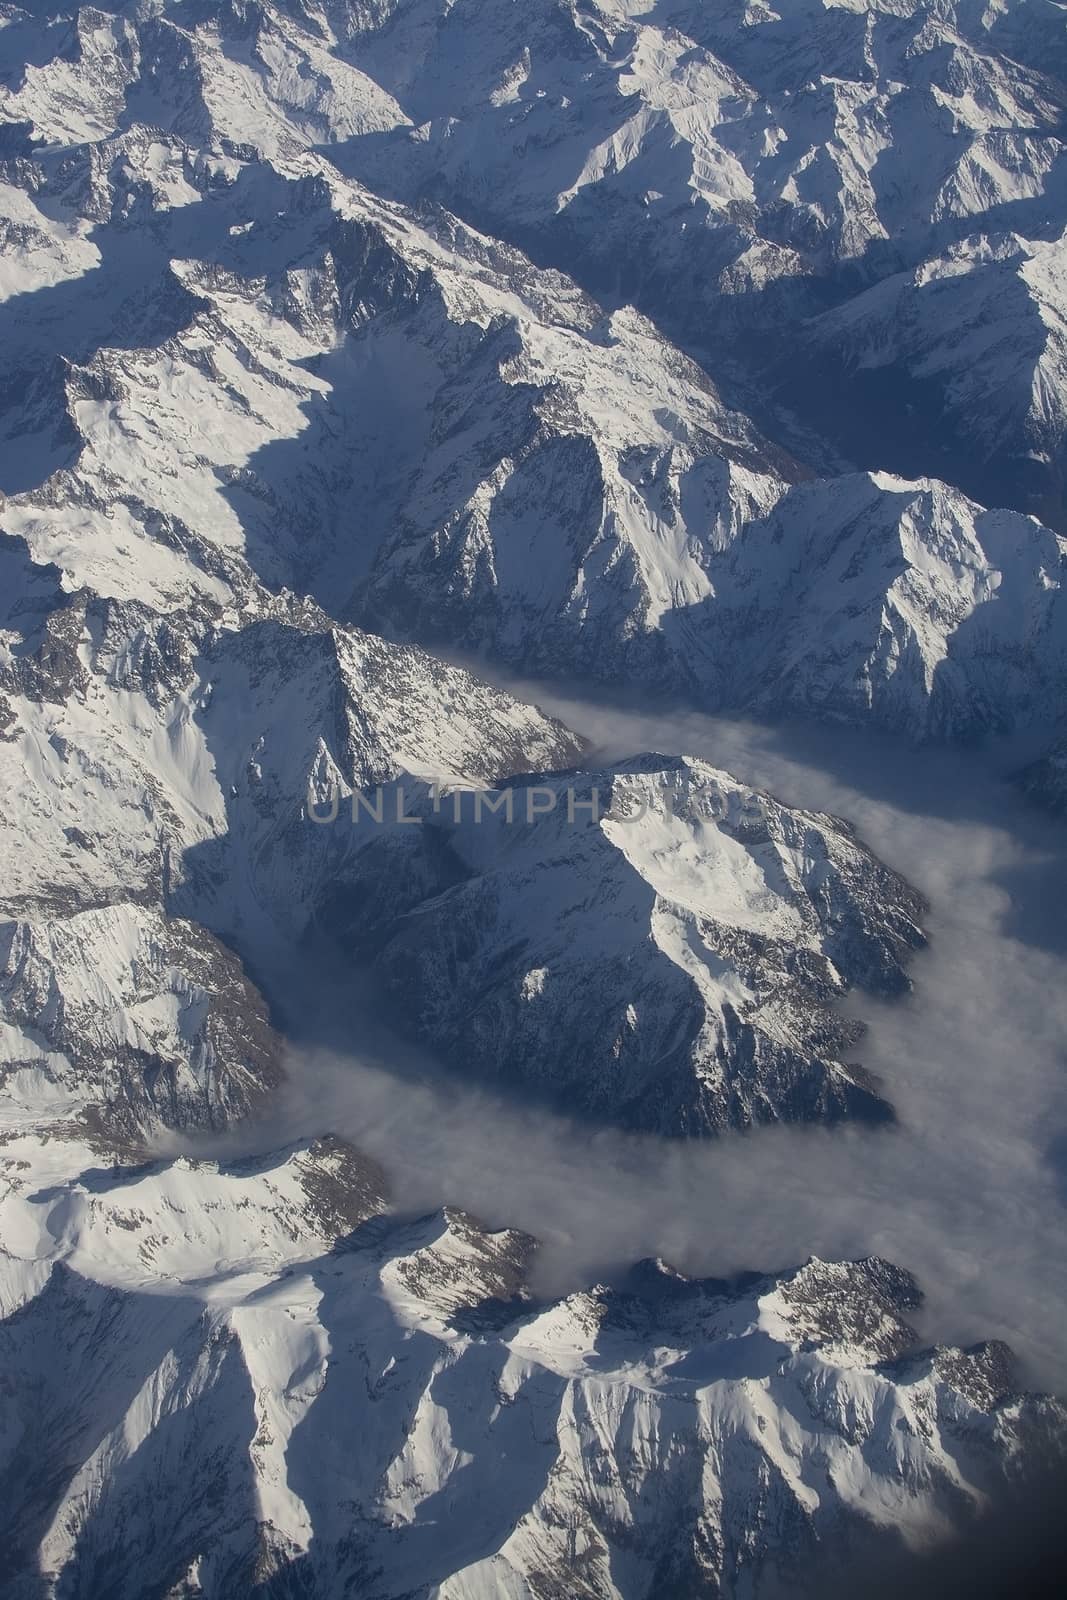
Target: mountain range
[[361, 361]]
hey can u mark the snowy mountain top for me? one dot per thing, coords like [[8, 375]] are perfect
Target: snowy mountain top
[[655, 943], [713, 846], [271, 1346]]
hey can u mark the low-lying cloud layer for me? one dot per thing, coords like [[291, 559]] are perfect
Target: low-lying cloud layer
[[967, 1191]]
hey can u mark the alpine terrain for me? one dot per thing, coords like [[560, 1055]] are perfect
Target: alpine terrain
[[363, 364]]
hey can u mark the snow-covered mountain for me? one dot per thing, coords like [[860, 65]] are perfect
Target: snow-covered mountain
[[168, 774], [326, 1401], [158, 770], [565, 490], [763, 143], [865, 598], [334, 333], [656, 944], [239, 358], [965, 354], [734, 168], [133, 737]]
